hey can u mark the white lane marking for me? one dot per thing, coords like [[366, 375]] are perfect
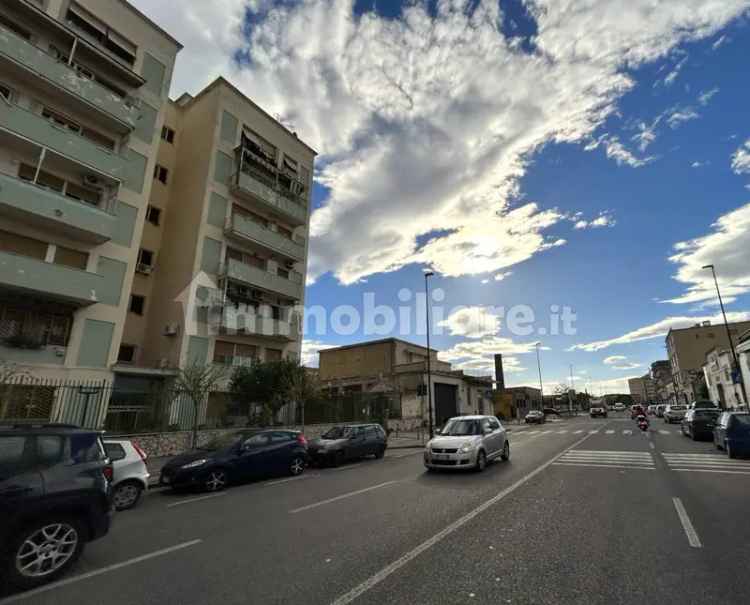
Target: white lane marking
[[397, 456], [594, 465], [680, 455], [198, 499], [533, 432], [444, 533], [607, 455], [653, 447], [663, 432], [710, 470], [341, 497], [594, 432], [98, 572], [609, 432], [611, 452], [288, 479], [562, 432], [578, 432], [687, 525], [627, 432], [545, 432]]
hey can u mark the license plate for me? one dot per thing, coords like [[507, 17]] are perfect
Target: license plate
[[440, 457]]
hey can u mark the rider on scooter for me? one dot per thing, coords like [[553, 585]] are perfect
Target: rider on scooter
[[642, 419]]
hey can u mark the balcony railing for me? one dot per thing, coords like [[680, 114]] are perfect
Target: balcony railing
[[252, 186], [263, 279], [49, 281], [49, 209], [62, 75], [236, 322], [246, 228], [70, 144]]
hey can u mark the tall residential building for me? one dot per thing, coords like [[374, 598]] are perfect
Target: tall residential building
[[687, 349], [83, 87], [643, 389]]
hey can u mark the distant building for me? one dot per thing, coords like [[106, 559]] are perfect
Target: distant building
[[743, 354], [516, 402], [718, 374], [687, 349], [643, 389], [661, 375]]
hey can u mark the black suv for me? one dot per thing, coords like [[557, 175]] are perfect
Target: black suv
[[54, 497], [345, 442]]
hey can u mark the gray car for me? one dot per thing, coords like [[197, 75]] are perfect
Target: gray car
[[674, 413], [467, 442]]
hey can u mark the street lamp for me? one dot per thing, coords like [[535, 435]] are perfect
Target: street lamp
[[428, 274], [539, 367], [729, 334]]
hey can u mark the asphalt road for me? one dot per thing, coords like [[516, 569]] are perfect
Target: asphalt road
[[586, 511]]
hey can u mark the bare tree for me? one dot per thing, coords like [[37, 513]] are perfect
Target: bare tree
[[301, 386], [197, 381]]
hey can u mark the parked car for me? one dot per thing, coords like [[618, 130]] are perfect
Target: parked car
[[236, 457], [651, 409], [535, 417], [598, 410], [660, 410], [54, 497], [467, 442], [130, 473], [732, 433], [551, 412], [674, 413], [636, 410], [619, 407], [346, 442], [703, 404], [699, 424]]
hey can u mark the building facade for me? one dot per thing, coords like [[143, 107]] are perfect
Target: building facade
[[84, 89], [661, 375], [687, 349], [743, 354], [643, 389], [718, 375]]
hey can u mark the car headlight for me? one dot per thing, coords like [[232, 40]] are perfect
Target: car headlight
[[467, 447], [195, 463]]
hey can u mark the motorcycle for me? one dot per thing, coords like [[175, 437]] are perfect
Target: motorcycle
[[642, 423]]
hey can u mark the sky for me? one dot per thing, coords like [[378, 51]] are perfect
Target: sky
[[577, 158]]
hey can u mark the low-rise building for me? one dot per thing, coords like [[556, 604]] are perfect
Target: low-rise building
[[719, 379], [642, 389]]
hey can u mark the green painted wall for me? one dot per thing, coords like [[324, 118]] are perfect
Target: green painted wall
[[223, 168], [135, 170], [217, 210], [97, 339], [197, 350], [211, 258], [113, 274], [228, 127], [153, 71], [123, 231], [144, 128], [31, 356]]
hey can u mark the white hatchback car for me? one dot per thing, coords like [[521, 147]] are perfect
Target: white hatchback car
[[467, 442], [130, 478]]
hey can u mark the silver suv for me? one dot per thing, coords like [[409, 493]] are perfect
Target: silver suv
[[674, 413], [467, 442]]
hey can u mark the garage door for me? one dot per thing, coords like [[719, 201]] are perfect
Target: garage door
[[446, 403]]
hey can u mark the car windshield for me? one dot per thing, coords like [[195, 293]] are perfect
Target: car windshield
[[706, 414], [220, 442], [455, 428], [337, 432], [743, 419], [677, 408]]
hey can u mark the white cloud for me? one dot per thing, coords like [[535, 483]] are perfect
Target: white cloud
[[658, 329], [617, 151], [479, 355], [726, 247], [309, 355], [721, 40], [697, 164], [705, 97], [620, 362], [603, 220], [680, 115], [502, 276], [414, 119], [672, 75], [472, 322], [741, 159], [614, 359], [646, 133]]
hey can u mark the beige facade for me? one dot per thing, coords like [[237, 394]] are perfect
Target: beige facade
[[688, 347], [84, 87], [718, 374], [643, 389]]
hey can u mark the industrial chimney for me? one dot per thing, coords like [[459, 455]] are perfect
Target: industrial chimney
[[499, 374]]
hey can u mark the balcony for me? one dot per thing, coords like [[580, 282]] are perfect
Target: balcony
[[251, 188], [48, 281], [236, 322], [247, 229], [27, 58], [260, 278], [48, 209], [67, 143]]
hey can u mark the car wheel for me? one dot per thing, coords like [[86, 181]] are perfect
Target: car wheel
[[126, 495], [506, 451], [481, 461], [297, 466], [729, 450], [216, 480], [43, 551], [380, 453]]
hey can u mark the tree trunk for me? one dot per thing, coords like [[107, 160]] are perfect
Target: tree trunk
[[195, 424]]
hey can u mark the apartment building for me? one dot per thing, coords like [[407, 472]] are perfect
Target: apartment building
[[687, 349], [661, 375], [643, 389], [718, 375], [221, 264], [83, 98]]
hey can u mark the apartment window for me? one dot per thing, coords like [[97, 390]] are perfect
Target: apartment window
[[161, 174], [5, 91], [285, 232], [273, 354], [71, 258], [84, 21], [231, 353], [145, 261], [153, 215], [14, 27], [61, 120], [28, 328], [83, 194], [25, 246], [282, 273], [167, 134], [248, 259], [137, 304], [126, 354]]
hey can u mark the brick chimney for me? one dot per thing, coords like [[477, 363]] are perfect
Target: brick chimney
[[499, 374]]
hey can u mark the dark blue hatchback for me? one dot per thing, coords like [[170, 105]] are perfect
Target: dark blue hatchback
[[236, 457], [732, 433]]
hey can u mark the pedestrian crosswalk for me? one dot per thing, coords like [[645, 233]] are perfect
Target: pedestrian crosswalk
[[607, 459], [608, 432], [706, 463]]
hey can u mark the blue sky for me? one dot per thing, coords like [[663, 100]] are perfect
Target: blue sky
[[588, 154]]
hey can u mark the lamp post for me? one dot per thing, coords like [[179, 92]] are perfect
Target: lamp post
[[539, 367], [736, 367], [427, 275]]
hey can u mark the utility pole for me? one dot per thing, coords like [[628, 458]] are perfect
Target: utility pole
[[570, 401], [429, 374], [539, 367], [729, 337]]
